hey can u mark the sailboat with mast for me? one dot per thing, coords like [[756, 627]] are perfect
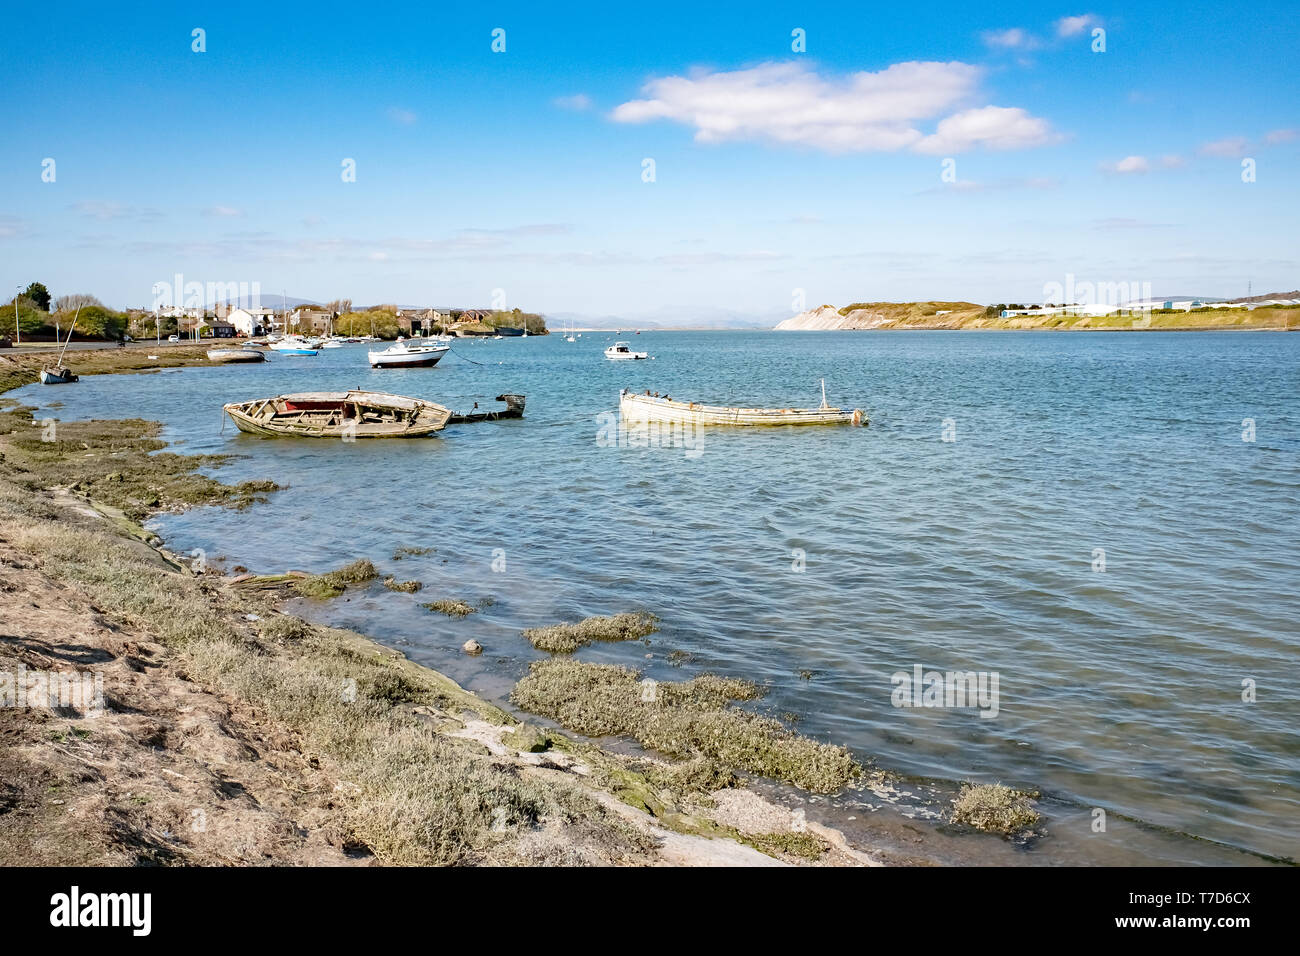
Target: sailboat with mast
[[60, 374]]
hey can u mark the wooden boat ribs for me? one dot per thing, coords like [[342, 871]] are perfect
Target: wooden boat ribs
[[347, 415]]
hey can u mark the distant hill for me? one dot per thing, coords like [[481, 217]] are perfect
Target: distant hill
[[687, 317], [968, 315], [1292, 295], [270, 301]]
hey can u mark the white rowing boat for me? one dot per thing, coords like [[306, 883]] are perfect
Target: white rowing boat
[[651, 408], [232, 355]]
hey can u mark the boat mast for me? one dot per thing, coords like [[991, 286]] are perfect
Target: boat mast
[[824, 393], [59, 364]]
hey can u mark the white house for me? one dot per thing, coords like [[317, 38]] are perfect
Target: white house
[[250, 321]]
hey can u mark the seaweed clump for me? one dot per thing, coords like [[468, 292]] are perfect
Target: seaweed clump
[[406, 587], [334, 583], [994, 808], [567, 638], [450, 607], [683, 720]]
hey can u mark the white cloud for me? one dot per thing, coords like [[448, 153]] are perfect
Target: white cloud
[[993, 127], [1281, 136], [1172, 161], [401, 117], [579, 101], [224, 212], [1013, 38], [1128, 165], [790, 104], [1232, 146], [1073, 26]]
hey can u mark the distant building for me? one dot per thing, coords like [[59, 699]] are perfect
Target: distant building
[[219, 329], [251, 321], [308, 318]]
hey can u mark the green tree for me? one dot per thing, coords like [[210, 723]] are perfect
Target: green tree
[[40, 295]]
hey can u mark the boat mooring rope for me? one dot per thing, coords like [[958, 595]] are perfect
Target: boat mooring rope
[[463, 358]]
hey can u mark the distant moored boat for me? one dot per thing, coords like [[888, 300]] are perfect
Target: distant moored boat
[[233, 355]]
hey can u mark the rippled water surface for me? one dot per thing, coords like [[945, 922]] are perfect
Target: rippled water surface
[[1119, 689]]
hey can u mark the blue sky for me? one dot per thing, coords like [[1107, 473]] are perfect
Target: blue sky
[[775, 171]]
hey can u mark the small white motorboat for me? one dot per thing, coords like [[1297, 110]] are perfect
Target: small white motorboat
[[621, 351], [293, 345], [406, 355], [227, 356]]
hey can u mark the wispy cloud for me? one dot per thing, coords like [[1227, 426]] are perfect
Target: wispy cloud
[[790, 104], [401, 116], [223, 212], [997, 185], [1020, 40], [1129, 165], [1121, 223], [12, 227], [578, 102], [105, 210], [1073, 26], [1013, 38], [1232, 146], [993, 127], [1279, 136]]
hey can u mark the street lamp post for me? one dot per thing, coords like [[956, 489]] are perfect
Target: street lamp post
[[18, 329]]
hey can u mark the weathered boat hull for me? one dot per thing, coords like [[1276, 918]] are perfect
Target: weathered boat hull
[[514, 409], [647, 408], [342, 415], [234, 356], [58, 376]]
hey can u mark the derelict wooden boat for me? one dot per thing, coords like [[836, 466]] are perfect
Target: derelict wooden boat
[[232, 355], [514, 409], [58, 375], [352, 414], [648, 408]]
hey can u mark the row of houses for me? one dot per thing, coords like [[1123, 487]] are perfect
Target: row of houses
[[1143, 305], [249, 321]]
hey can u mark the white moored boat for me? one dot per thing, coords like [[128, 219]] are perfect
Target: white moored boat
[[620, 351], [294, 345], [237, 354], [406, 355], [652, 408]]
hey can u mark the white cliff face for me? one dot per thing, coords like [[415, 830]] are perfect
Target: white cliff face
[[827, 317]]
